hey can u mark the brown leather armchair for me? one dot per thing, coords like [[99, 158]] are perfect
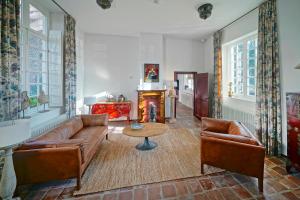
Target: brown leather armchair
[[62, 153], [230, 145]]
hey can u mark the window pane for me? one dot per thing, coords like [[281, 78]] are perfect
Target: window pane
[[251, 68], [237, 68], [37, 21], [37, 66], [33, 90], [34, 78], [37, 42], [251, 91]]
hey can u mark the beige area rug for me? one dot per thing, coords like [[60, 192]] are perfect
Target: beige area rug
[[118, 164]]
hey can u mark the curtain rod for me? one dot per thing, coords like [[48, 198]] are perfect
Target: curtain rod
[[239, 18], [60, 7]]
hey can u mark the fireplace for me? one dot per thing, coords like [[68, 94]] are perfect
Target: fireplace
[[151, 106]]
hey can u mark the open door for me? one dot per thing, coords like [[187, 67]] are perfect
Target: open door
[[201, 95]]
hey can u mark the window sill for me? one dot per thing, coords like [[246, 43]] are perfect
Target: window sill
[[249, 99]]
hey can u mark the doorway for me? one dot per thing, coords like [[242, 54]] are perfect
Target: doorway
[[185, 89], [192, 91]]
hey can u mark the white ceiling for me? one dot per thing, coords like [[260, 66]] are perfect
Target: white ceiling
[[177, 18]]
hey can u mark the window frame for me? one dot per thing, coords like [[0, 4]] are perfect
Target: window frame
[[25, 32], [227, 69]]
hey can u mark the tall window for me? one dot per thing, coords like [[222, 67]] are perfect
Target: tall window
[[241, 62], [41, 64]]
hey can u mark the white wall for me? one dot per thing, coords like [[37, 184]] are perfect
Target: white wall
[[289, 41], [183, 55], [111, 65], [115, 64]]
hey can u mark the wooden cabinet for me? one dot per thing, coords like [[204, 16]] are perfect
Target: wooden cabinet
[[113, 109], [293, 126], [201, 101]]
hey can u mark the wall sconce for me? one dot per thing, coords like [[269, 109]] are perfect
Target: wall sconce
[[297, 66]]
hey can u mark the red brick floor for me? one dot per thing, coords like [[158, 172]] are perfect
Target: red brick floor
[[219, 186]]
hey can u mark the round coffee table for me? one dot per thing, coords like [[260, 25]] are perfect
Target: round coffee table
[[149, 130]]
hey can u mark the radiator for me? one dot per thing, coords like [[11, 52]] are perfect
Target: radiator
[[43, 128], [248, 119]]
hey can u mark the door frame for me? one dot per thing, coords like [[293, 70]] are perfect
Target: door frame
[[176, 73]]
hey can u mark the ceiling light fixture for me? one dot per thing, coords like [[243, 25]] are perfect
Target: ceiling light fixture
[[205, 10], [104, 4]]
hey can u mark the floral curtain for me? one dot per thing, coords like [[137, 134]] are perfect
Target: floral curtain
[[70, 66], [9, 59], [268, 99], [217, 91]]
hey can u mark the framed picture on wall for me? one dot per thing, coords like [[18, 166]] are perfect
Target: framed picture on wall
[[151, 73]]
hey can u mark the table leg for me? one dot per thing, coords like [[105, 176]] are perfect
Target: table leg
[[8, 180], [147, 145]]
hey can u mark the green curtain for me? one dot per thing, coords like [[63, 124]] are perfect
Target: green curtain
[[217, 91], [70, 66], [9, 59], [268, 94]]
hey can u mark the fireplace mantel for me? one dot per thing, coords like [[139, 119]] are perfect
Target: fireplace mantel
[[147, 97]]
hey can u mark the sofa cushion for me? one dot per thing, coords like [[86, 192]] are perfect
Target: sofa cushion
[[90, 136], [63, 132], [76, 124], [231, 137], [215, 125], [95, 120]]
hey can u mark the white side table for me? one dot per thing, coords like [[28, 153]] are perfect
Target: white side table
[[10, 136]]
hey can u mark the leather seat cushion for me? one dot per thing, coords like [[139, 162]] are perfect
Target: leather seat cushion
[[91, 136]]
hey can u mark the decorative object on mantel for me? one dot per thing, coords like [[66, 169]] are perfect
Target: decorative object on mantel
[[172, 96], [297, 66], [104, 4], [89, 101], [111, 98], [121, 98], [25, 103], [152, 112], [11, 133], [205, 10], [43, 100], [230, 92], [151, 73]]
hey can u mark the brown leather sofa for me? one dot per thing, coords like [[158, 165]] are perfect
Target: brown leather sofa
[[62, 153], [230, 145]]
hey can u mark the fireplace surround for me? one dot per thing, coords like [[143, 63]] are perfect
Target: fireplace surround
[[150, 101]]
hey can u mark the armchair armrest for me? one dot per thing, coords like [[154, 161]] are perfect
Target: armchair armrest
[[95, 120], [231, 137], [39, 165], [215, 125], [234, 156]]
